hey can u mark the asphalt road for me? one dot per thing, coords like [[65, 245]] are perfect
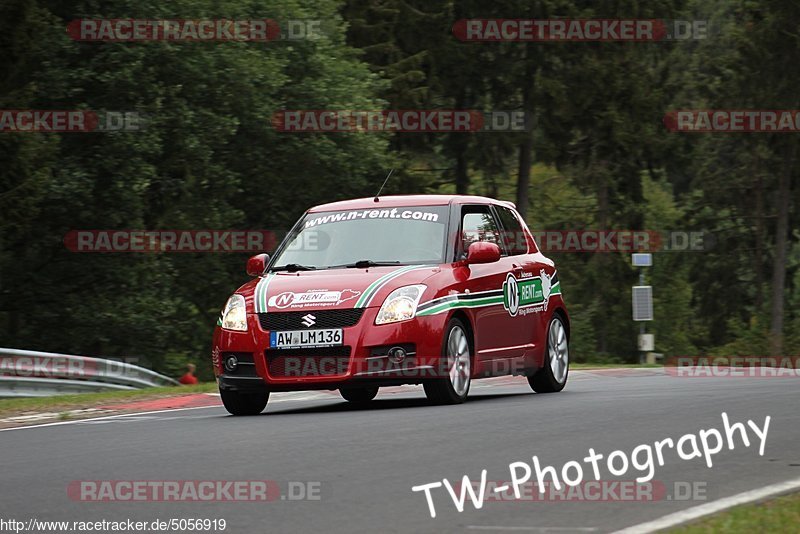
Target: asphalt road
[[365, 461]]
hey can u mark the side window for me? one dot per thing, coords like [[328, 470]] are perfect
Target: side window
[[513, 236], [478, 224]]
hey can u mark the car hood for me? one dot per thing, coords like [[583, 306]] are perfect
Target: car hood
[[329, 289]]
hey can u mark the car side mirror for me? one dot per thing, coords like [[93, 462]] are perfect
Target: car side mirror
[[257, 264], [482, 252]]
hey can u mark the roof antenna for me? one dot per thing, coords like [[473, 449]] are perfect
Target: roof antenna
[[384, 183]]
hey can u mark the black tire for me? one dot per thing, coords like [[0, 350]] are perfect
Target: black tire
[[244, 402], [441, 390], [545, 381], [358, 395]]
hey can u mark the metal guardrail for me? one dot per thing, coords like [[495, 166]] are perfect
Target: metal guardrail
[[27, 373]]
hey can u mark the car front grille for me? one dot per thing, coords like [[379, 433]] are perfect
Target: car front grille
[[292, 363], [294, 320]]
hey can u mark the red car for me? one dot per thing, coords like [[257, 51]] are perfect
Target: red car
[[435, 290]]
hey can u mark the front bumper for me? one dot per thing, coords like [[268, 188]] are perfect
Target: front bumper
[[361, 360]]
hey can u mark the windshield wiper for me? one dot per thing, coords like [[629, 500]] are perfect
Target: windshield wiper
[[293, 268], [363, 264]]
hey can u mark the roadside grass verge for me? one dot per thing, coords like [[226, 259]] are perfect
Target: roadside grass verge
[[63, 403], [781, 514]]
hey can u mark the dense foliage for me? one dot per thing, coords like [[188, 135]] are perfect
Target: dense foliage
[[597, 157]]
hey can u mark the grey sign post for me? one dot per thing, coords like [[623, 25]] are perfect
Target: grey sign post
[[642, 297]]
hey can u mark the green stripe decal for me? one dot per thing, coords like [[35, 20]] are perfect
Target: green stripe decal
[[260, 299], [471, 303], [370, 288], [528, 291], [365, 299]]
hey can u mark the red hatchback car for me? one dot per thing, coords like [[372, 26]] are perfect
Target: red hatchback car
[[435, 290]]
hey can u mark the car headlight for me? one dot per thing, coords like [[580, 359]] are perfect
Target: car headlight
[[400, 305], [234, 315]]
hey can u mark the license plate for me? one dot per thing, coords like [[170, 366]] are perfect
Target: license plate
[[292, 339]]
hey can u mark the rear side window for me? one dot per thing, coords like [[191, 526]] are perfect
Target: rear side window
[[512, 234]]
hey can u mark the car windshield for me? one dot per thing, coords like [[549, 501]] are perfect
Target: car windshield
[[362, 238]]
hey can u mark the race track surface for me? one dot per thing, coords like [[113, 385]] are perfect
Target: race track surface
[[365, 461]]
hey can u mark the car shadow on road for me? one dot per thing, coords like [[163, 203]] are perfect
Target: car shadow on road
[[386, 404]]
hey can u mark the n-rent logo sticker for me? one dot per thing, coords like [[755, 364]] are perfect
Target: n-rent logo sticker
[[320, 297], [530, 295]]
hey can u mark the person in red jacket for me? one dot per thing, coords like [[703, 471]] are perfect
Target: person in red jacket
[[189, 378]]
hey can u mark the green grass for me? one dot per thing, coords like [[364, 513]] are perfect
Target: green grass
[[777, 515], [62, 403]]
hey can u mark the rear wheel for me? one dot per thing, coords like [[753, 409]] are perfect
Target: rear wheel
[[358, 395], [553, 376], [244, 402], [454, 387]]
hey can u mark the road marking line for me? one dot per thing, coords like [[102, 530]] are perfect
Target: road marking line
[[78, 421], [696, 512], [317, 396]]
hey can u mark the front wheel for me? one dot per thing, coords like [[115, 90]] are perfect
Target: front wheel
[[552, 377], [358, 395], [454, 387], [244, 402]]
